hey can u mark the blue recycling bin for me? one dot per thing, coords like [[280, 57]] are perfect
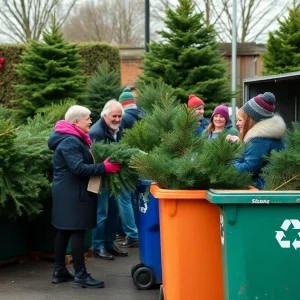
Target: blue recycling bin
[[148, 272]]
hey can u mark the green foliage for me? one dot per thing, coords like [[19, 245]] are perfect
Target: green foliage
[[103, 86], [283, 48], [187, 57], [50, 71], [26, 168], [126, 178], [150, 94], [20, 183], [282, 172], [140, 137], [147, 133], [5, 112], [8, 75], [91, 53], [184, 160]]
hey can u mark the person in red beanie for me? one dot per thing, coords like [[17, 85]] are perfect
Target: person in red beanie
[[220, 121], [198, 105]]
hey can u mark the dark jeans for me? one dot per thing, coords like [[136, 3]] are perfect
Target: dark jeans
[[77, 250]]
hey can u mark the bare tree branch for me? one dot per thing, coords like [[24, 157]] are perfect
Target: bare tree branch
[[23, 20], [113, 21]]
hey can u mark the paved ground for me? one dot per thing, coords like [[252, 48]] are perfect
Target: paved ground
[[31, 281]]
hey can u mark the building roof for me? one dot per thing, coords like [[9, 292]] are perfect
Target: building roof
[[225, 49], [277, 77]]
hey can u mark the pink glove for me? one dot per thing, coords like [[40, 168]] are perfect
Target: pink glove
[[111, 167]]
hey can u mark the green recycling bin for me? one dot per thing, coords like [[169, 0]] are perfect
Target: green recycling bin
[[260, 239]]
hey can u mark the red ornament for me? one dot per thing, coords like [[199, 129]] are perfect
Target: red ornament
[[1, 62]]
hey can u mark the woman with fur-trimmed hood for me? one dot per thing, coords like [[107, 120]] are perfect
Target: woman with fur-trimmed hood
[[262, 131]]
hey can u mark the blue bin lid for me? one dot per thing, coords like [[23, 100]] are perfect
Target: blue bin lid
[[145, 182]]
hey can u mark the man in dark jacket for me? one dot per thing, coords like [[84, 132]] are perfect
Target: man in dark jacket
[[131, 112], [107, 129], [127, 200]]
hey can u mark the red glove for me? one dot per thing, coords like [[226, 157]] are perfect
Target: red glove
[[111, 167]]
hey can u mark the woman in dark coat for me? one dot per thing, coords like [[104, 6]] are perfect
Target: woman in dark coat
[[74, 207]]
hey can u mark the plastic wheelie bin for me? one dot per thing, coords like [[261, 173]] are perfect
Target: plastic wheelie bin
[[148, 272], [260, 237], [190, 245]]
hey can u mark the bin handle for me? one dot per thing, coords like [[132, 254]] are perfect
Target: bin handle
[[231, 214], [171, 205]]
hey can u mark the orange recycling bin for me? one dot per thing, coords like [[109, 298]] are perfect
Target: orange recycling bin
[[190, 245]]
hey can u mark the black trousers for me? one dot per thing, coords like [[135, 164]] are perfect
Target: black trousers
[[77, 249]]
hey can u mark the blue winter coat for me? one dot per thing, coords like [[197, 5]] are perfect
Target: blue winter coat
[[100, 132], [202, 126], [262, 138], [74, 208], [131, 116]]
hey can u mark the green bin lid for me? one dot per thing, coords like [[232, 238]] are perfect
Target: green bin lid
[[252, 197]]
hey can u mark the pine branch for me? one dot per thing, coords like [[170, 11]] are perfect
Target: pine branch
[[9, 131], [285, 183]]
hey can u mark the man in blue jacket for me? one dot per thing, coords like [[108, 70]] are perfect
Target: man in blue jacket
[[127, 200], [107, 129]]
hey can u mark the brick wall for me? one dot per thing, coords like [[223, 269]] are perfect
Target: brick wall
[[130, 69]]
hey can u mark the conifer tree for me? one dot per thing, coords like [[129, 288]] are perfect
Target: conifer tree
[[187, 58], [185, 160], [148, 95], [283, 47], [283, 170], [50, 71], [103, 86]]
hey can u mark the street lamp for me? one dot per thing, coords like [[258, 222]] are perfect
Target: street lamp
[[147, 24], [233, 63]]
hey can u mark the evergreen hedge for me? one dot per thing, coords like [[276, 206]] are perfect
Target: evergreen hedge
[[92, 55]]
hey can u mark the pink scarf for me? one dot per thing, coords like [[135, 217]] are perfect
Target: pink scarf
[[66, 127]]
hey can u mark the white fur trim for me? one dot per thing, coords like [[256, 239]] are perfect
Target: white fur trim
[[274, 127]]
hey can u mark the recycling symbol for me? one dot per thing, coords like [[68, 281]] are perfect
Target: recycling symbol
[[280, 234], [143, 206]]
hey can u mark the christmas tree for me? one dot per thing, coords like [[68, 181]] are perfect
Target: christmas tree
[[152, 94], [283, 47], [50, 71], [103, 86], [185, 160], [147, 133], [187, 57]]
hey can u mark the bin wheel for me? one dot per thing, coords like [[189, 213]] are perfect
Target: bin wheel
[[161, 293], [143, 278], [135, 267]]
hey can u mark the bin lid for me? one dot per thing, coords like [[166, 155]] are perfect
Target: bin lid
[[252, 197], [145, 182]]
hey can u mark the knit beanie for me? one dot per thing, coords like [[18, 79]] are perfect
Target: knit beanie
[[260, 107], [194, 101], [126, 97], [221, 110]]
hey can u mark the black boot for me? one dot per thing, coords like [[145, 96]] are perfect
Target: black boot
[[61, 274], [87, 281]]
